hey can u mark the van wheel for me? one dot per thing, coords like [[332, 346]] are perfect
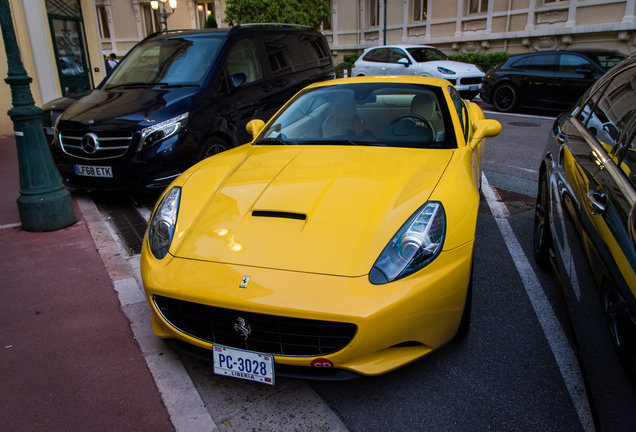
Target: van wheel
[[211, 147], [505, 98]]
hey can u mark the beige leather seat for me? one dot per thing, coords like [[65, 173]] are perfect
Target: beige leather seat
[[425, 105], [344, 120]]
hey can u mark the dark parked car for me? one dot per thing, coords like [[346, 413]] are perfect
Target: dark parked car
[[178, 97], [551, 79], [585, 229]]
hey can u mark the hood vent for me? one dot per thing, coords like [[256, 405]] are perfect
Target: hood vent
[[279, 215]]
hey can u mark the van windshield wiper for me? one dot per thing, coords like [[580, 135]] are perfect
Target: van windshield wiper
[[174, 85], [125, 85]]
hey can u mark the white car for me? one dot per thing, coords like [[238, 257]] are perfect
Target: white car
[[419, 60]]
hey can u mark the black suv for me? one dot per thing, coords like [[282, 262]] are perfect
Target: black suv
[[178, 97], [549, 79]]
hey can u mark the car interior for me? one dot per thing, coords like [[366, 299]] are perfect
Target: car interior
[[398, 119]]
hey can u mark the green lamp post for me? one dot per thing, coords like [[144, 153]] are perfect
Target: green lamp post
[[44, 204]]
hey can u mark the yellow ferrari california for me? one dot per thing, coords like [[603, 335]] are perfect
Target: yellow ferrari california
[[338, 243]]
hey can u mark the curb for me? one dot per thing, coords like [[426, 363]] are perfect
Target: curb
[[182, 400]]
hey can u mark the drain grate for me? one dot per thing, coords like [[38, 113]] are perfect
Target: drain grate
[[130, 225]]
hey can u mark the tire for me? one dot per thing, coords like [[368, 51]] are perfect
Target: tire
[[505, 98], [622, 327], [464, 323], [211, 147], [541, 231]]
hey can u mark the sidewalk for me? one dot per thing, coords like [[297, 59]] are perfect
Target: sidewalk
[[68, 358]]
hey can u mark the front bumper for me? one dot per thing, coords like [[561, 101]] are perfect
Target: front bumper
[[397, 323], [149, 169]]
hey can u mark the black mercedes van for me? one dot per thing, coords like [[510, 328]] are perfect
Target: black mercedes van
[[178, 97]]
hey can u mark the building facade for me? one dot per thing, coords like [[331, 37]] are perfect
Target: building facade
[[63, 42]]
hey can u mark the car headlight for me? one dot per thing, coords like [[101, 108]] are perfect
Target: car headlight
[[160, 131], [418, 242], [445, 71], [161, 227]]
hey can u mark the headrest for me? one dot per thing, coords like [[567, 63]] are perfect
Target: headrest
[[424, 105]]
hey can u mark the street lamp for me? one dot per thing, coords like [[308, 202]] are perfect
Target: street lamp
[[44, 204], [163, 13]]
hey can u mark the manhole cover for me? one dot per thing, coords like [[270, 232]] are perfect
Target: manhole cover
[[524, 124]]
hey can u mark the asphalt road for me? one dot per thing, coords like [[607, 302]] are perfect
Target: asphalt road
[[516, 370]]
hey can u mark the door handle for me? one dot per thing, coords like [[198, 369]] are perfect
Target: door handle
[[560, 138], [597, 200]]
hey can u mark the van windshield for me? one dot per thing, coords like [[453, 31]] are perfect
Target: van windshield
[[174, 61]]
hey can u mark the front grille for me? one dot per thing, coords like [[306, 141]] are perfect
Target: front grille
[[270, 334], [102, 145], [470, 80]]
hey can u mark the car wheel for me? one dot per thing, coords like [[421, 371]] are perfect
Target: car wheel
[[622, 327], [464, 324], [211, 147], [541, 225], [505, 98]]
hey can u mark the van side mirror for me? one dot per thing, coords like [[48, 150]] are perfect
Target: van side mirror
[[254, 127], [238, 80], [484, 128]]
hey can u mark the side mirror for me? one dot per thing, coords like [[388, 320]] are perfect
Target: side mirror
[[404, 61], [238, 80], [254, 127], [484, 128], [585, 70]]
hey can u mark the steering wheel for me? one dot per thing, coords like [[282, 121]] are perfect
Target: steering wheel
[[417, 118]]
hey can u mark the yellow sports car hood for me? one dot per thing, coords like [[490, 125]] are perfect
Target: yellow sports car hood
[[318, 209]]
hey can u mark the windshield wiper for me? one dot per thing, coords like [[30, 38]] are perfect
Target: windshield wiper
[[339, 141], [276, 140], [166, 85], [137, 84]]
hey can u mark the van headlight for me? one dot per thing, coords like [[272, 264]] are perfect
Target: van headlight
[[160, 131], [418, 242], [163, 223]]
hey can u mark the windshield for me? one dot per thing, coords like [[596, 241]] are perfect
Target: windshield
[[174, 61], [370, 114], [608, 61], [423, 54]]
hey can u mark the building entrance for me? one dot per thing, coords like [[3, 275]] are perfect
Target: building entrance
[[69, 45]]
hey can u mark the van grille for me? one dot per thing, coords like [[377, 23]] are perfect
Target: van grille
[[95, 145], [270, 334]]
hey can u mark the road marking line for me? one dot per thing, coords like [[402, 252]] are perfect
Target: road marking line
[[499, 164], [12, 225], [563, 353], [518, 115]]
